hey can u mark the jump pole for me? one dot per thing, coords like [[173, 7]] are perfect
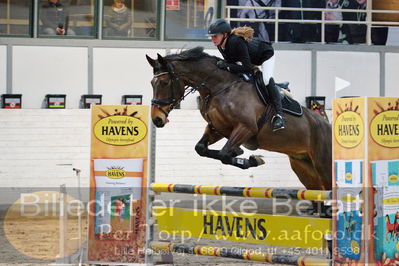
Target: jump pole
[[252, 192], [238, 254]]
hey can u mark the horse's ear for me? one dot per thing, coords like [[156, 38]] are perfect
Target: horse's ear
[[151, 61], [162, 60]]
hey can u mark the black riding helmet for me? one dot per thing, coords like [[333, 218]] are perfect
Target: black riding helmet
[[219, 26]]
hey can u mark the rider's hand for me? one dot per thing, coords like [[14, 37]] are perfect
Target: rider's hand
[[222, 64]]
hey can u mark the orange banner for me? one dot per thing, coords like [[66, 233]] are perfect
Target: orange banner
[[366, 172], [118, 184]]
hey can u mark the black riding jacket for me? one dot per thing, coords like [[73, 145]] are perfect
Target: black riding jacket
[[240, 55]]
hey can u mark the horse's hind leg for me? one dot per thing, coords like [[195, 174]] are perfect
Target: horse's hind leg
[[309, 177], [307, 174]]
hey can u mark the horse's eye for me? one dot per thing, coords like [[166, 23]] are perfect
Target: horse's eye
[[164, 83]]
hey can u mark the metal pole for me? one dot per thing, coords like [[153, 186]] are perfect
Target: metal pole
[[9, 68], [63, 223], [35, 12], [162, 20], [100, 19], [276, 26], [77, 171], [323, 28], [8, 16], [369, 8]]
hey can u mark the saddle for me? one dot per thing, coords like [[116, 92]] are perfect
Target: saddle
[[289, 105]]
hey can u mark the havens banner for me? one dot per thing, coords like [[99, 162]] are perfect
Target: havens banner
[[118, 184], [264, 229]]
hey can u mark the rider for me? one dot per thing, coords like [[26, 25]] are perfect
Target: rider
[[235, 48]]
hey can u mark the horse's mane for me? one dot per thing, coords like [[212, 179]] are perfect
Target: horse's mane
[[193, 54]]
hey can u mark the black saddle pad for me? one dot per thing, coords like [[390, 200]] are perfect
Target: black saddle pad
[[290, 105]]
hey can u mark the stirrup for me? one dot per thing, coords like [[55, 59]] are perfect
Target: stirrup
[[279, 125]]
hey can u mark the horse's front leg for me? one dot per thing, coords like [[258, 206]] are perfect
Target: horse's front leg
[[210, 137], [240, 135]]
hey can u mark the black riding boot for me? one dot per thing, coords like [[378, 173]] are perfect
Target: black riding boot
[[277, 120]]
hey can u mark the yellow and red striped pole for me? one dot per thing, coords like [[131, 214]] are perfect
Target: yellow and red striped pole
[[252, 192], [235, 253]]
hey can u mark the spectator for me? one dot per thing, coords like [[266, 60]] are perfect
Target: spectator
[[354, 33], [259, 27], [332, 30], [54, 19], [303, 32], [118, 20]]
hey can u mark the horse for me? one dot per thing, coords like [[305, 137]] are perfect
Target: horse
[[234, 111]]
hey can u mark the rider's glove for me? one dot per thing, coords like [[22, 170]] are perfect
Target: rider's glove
[[222, 65]]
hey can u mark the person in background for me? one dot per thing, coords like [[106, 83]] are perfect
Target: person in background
[[54, 19], [118, 20], [303, 32], [354, 33], [332, 30], [260, 27]]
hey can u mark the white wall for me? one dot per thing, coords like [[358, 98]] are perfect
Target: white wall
[[40, 147], [392, 75], [295, 67], [358, 68], [3, 69], [120, 71], [41, 70]]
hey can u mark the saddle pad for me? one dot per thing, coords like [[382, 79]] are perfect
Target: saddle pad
[[289, 105]]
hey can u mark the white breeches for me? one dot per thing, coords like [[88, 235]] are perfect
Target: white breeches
[[267, 70]]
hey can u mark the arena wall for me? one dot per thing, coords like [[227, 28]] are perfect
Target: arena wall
[[114, 70]]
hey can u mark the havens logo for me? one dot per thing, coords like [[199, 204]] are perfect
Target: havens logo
[[115, 173], [348, 176], [349, 129], [384, 129], [390, 201], [393, 179], [120, 130]]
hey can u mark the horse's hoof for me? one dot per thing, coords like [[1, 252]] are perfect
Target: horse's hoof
[[257, 158], [237, 152]]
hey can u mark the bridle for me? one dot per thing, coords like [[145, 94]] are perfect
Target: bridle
[[172, 102]]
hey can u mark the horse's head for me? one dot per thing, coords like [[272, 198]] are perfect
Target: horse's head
[[168, 90]]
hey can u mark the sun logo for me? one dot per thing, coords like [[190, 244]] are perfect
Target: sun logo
[[348, 176], [393, 179]]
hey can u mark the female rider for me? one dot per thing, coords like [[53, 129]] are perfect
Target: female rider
[[240, 53]]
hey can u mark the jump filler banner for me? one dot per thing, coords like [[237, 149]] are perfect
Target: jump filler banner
[[118, 184], [366, 160]]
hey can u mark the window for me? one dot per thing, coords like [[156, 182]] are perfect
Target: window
[[67, 17], [14, 17], [189, 19], [130, 19]]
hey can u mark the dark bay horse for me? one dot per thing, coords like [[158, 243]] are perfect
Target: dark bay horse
[[233, 110]]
